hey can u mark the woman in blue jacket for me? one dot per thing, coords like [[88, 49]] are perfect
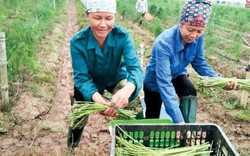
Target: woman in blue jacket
[[166, 74], [103, 55]]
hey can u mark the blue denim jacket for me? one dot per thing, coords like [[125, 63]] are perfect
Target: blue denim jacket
[[170, 59]]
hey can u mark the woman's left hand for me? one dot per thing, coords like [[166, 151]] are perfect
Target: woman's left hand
[[232, 86], [121, 97]]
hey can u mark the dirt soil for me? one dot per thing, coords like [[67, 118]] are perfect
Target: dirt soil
[[40, 127]]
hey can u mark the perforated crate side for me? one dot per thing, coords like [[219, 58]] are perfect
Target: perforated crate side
[[165, 135]]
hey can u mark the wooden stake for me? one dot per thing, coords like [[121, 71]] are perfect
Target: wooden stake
[[3, 71], [54, 3]]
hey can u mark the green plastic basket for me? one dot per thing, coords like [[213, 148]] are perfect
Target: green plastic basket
[[159, 134]]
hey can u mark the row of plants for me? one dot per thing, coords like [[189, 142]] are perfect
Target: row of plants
[[234, 18], [225, 34], [24, 23]]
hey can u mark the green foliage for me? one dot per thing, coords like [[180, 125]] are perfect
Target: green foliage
[[161, 14], [34, 88], [81, 15], [1, 123], [44, 77], [156, 27], [127, 9], [158, 30], [153, 10], [235, 18], [244, 115], [224, 33], [232, 104], [25, 22]]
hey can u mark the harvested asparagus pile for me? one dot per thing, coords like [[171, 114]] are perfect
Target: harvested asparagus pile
[[222, 82], [135, 148], [126, 148], [81, 111]]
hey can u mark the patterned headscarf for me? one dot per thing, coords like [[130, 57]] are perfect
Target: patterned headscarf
[[101, 6], [196, 13]]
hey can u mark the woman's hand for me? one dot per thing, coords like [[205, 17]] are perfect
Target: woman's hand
[[232, 86], [110, 111], [121, 97]]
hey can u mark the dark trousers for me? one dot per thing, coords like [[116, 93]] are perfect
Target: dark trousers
[[74, 135], [183, 87]]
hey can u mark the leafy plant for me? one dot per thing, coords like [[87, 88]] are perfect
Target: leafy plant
[[243, 116], [25, 23], [153, 10]]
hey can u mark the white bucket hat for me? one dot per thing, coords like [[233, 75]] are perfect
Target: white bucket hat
[[101, 6]]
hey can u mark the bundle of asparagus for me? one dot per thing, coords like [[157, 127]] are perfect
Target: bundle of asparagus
[[222, 82], [81, 111], [126, 148], [135, 148]]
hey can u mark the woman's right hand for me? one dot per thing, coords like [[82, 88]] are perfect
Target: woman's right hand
[[110, 111]]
